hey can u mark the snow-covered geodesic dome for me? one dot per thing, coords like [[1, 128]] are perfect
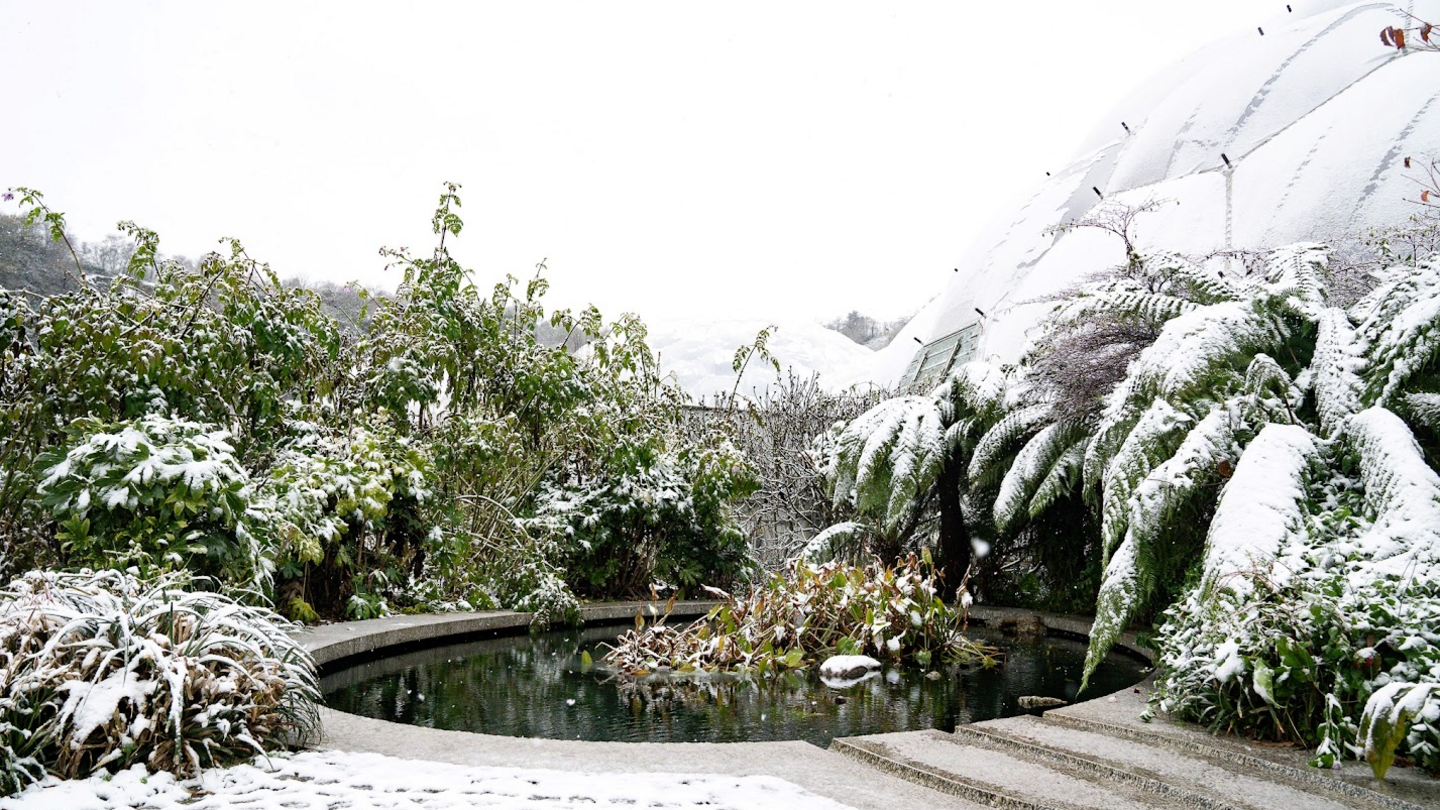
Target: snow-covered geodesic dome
[[1256, 141]]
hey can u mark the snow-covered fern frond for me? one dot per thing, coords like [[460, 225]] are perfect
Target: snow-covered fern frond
[[1063, 478], [1198, 283], [1402, 497], [916, 459], [974, 387], [1423, 409], [1335, 368], [1259, 514], [1272, 392], [986, 465], [836, 541], [1400, 321], [1296, 275], [876, 464], [1033, 466], [1121, 410], [1155, 437], [1193, 348], [849, 449]]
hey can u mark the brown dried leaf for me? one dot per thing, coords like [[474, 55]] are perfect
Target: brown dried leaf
[[1425, 196], [1425, 32], [1399, 39], [1385, 37], [1224, 468], [1407, 162]]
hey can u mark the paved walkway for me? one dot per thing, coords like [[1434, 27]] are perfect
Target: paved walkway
[[1096, 754]]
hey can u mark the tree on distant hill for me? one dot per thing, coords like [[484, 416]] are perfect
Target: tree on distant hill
[[31, 261], [867, 331]]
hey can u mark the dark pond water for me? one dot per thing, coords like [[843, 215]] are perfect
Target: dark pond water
[[535, 686]]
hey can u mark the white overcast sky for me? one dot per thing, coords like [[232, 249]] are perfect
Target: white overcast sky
[[774, 159]]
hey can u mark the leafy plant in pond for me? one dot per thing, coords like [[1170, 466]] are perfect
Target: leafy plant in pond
[[891, 613], [101, 671]]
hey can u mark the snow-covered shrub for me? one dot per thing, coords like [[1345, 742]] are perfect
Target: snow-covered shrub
[[670, 522], [101, 671], [351, 519], [155, 493], [809, 612], [1319, 588], [778, 430]]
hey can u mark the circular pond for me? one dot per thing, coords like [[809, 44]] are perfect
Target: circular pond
[[538, 686]]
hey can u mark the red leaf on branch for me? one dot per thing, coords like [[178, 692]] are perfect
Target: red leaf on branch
[[1425, 196], [1425, 32], [1385, 37], [1399, 39]]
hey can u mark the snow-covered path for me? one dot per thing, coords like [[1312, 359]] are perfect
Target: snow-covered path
[[322, 780]]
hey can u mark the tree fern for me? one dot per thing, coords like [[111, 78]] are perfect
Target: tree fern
[[1260, 511]]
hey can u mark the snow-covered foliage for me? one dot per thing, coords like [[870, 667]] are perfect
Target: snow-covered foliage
[[901, 465], [670, 522], [212, 419], [102, 671], [1263, 461], [157, 493]]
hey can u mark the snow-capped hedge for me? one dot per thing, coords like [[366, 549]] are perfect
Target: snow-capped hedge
[[100, 671]]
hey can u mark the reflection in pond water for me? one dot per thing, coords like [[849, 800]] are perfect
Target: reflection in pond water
[[537, 686]]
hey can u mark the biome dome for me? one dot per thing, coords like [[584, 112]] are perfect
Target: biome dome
[[1255, 141]]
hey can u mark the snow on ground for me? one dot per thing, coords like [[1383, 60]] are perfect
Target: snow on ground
[[701, 354], [316, 780]]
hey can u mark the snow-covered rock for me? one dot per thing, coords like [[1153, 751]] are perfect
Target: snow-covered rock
[[848, 666], [1250, 143]]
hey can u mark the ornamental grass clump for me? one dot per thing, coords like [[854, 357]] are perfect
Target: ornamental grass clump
[[101, 671], [892, 613]]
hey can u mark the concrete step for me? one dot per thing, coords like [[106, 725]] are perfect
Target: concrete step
[[1191, 752], [995, 777], [1194, 780]]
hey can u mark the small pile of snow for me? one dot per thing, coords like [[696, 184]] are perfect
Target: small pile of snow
[[848, 666]]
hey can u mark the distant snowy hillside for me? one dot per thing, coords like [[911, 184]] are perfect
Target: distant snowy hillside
[[700, 354], [1254, 142]]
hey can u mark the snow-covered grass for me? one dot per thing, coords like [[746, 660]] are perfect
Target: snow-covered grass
[[102, 671], [321, 780]]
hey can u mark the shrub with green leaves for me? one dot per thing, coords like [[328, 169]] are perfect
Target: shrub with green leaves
[[350, 518], [157, 494], [670, 522], [101, 671]]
